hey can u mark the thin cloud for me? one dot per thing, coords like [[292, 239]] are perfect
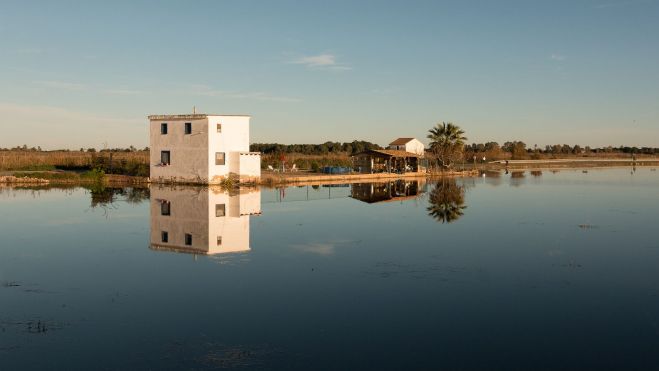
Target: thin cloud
[[558, 57], [74, 86], [321, 61], [70, 128], [261, 96], [124, 92], [63, 85]]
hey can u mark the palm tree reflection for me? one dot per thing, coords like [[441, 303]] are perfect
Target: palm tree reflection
[[447, 201]]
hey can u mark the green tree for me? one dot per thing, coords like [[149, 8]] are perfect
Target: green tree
[[446, 143]]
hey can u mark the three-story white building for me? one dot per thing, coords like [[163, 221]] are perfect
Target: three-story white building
[[201, 148]]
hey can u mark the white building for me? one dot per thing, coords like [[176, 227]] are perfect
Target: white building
[[411, 145], [204, 221], [201, 148]]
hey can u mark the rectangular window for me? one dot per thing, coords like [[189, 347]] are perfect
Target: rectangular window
[[165, 158], [188, 239], [164, 236], [220, 210], [188, 128], [163, 128], [219, 158], [219, 240], [219, 128], [165, 208]]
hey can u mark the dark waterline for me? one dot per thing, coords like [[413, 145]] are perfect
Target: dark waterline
[[526, 270]]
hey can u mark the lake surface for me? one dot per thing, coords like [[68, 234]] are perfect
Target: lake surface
[[526, 270]]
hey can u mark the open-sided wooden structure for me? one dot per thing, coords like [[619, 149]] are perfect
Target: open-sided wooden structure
[[387, 161]]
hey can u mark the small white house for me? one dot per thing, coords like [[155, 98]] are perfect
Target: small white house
[[411, 145], [203, 221], [201, 148]]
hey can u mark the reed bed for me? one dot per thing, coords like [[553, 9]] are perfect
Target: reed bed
[[50, 160]]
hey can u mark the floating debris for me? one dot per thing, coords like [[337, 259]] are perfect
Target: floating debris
[[587, 226]]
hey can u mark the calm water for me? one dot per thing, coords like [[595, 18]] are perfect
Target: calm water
[[506, 271]]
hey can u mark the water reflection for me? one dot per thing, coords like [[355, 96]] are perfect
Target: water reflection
[[447, 201], [104, 196], [399, 190], [202, 220]]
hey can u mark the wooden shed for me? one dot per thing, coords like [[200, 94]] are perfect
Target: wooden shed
[[387, 161]]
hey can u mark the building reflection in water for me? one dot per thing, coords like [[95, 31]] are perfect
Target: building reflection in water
[[202, 220], [398, 190]]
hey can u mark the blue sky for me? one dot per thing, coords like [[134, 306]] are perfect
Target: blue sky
[[86, 74]]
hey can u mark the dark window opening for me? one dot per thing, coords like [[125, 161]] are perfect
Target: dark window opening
[[165, 157], [219, 128], [188, 128], [188, 239], [220, 210], [165, 208], [219, 240], [164, 236], [163, 128], [219, 158]]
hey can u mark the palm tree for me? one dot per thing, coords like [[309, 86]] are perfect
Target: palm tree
[[447, 201], [446, 142]]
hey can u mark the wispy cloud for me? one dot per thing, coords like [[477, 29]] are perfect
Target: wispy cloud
[[208, 91], [558, 57], [63, 85], [59, 127], [124, 92], [75, 86], [321, 61]]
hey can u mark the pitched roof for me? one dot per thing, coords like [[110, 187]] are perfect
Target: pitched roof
[[401, 141]]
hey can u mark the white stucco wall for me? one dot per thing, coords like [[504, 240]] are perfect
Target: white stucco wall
[[188, 152], [415, 146], [233, 139], [193, 155]]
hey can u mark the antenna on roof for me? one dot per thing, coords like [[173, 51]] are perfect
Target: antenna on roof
[[194, 110]]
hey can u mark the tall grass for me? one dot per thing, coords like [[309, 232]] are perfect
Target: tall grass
[[43, 161]]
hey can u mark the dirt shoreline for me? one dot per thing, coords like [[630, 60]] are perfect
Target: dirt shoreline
[[304, 178]]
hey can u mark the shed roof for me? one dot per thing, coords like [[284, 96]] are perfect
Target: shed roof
[[390, 153], [401, 141]]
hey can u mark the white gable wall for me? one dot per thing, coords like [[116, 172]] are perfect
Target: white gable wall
[[415, 146]]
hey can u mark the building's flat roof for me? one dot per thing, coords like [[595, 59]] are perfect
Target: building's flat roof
[[189, 116]]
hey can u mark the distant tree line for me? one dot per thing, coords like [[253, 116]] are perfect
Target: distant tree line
[[520, 150], [355, 146], [25, 148]]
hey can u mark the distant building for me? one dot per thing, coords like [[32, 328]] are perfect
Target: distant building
[[403, 155], [411, 145], [201, 148], [202, 221]]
